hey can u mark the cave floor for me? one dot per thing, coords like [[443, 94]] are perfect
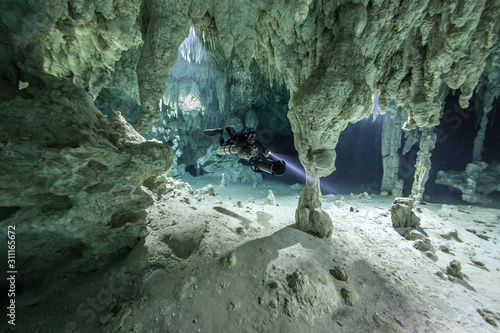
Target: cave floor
[[231, 263]]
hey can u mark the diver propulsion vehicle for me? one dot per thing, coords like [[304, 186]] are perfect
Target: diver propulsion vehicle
[[258, 163], [261, 164]]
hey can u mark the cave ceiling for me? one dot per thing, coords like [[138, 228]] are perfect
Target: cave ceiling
[[332, 55]]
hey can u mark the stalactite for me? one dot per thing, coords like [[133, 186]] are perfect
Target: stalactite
[[423, 163], [486, 93]]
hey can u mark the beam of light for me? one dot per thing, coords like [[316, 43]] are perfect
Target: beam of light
[[327, 189], [296, 169]]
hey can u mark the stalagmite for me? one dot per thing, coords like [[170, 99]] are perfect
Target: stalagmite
[[423, 163], [309, 216], [391, 142]]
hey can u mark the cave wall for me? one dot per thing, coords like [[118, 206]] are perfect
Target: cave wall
[[74, 182], [74, 176]]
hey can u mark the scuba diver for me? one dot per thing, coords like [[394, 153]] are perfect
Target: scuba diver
[[245, 145]]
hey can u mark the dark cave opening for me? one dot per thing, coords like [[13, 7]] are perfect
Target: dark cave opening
[[191, 169], [455, 141], [358, 163]]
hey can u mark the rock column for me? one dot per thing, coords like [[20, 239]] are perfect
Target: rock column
[[309, 216], [391, 142], [423, 163]]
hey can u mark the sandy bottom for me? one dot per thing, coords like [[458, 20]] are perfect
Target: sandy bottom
[[229, 262]]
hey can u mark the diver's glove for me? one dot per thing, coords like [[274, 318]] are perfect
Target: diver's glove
[[267, 153]]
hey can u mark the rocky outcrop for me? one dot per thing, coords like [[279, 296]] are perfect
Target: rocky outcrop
[[476, 182], [402, 214], [73, 180], [309, 216]]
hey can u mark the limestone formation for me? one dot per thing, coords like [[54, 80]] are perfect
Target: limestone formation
[[75, 178], [402, 214], [487, 91], [340, 273], [270, 200], [476, 183], [211, 92], [423, 164], [309, 216], [390, 144], [332, 56], [72, 179]]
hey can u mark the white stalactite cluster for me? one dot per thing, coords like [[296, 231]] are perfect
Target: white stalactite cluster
[[191, 48]]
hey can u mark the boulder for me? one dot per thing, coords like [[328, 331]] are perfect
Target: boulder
[[402, 214]]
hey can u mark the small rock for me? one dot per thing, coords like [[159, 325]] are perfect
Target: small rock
[[431, 255], [477, 262], [273, 284], [412, 234], [452, 235], [402, 214], [229, 260], [423, 245], [454, 269], [440, 274], [445, 249], [296, 281], [270, 200], [209, 189], [339, 273], [489, 316], [347, 295]]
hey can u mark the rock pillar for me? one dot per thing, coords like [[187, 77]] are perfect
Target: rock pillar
[[309, 216], [391, 142], [423, 163]]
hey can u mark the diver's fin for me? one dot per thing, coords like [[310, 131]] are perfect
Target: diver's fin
[[211, 132]]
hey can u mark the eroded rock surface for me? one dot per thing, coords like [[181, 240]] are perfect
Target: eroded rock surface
[[402, 214], [476, 182], [75, 178]]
